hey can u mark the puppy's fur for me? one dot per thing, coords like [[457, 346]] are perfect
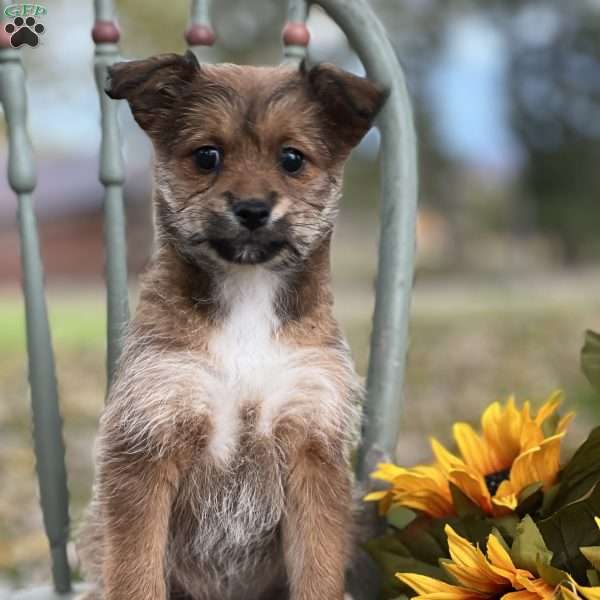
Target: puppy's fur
[[222, 457]]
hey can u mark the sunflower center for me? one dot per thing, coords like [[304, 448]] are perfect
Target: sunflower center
[[493, 480]]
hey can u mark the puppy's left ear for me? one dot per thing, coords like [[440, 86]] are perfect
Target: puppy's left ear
[[152, 86], [349, 103]]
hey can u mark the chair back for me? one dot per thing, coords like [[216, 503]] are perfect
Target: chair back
[[389, 339]]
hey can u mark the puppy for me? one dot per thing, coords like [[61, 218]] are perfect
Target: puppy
[[223, 452]]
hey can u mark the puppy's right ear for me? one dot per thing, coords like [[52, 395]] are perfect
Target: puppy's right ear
[[152, 86], [350, 103]]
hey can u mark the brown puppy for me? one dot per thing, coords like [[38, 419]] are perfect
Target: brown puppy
[[222, 458]]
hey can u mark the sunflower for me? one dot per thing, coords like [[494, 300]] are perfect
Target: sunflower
[[513, 451], [424, 488], [479, 577]]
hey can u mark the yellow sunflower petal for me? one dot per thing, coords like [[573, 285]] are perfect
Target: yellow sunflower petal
[[502, 563], [428, 502], [590, 593], [491, 415], [474, 450], [541, 463], [501, 429], [520, 595], [444, 457], [473, 485], [469, 565], [549, 407], [473, 579], [568, 593], [505, 498], [498, 555], [458, 594], [513, 418], [564, 422], [387, 472], [421, 477], [597, 519], [531, 432], [376, 496], [424, 488], [522, 473], [547, 461], [537, 586], [433, 589]]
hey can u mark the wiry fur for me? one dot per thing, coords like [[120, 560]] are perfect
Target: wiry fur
[[222, 457]]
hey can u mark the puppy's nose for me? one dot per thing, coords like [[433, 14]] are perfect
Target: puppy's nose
[[252, 214]]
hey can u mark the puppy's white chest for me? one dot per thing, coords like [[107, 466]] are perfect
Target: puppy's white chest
[[254, 368], [246, 356], [246, 348]]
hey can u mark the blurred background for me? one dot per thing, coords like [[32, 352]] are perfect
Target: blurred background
[[507, 101]]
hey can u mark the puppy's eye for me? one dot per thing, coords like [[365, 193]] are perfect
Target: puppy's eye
[[208, 158], [291, 160]]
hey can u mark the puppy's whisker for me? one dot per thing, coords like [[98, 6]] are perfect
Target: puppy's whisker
[[314, 205], [192, 196], [197, 239], [309, 220]]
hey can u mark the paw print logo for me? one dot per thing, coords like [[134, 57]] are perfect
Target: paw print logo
[[24, 31]]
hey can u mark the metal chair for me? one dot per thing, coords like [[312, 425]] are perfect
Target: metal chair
[[389, 339]]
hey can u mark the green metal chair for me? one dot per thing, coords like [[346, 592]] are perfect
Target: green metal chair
[[389, 339]]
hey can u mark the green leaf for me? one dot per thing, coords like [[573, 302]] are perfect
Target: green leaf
[[530, 499], [400, 516], [549, 500], [386, 543], [463, 505], [570, 528], [421, 541], [507, 526], [501, 539], [590, 358], [391, 586], [393, 556], [592, 553], [411, 565], [581, 474], [386, 552], [529, 548], [593, 577], [551, 575], [474, 529]]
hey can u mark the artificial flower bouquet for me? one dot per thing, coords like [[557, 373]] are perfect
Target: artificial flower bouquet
[[500, 518]]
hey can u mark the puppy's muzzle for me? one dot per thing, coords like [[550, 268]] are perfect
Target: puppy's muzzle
[[251, 214]]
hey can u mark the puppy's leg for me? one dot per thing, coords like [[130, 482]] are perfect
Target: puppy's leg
[[317, 524], [136, 503]]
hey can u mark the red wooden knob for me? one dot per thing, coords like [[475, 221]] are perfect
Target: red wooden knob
[[199, 35], [105, 32], [295, 33], [4, 37]]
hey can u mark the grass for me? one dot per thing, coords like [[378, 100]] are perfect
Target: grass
[[77, 320]]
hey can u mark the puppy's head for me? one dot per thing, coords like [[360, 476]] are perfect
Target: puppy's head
[[248, 159]]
